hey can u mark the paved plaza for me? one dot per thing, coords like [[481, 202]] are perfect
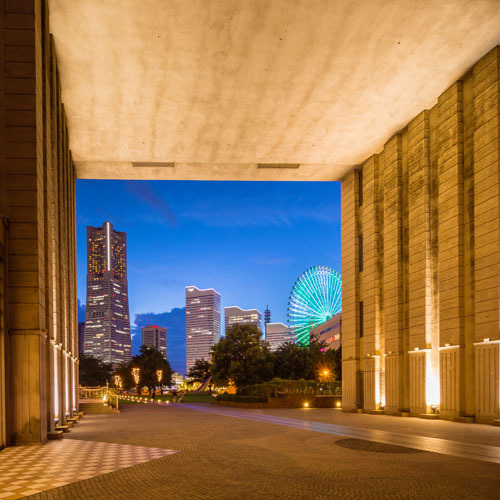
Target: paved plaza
[[227, 453]]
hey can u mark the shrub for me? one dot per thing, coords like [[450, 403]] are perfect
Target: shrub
[[240, 399]]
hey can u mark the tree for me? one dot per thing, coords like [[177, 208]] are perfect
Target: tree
[[124, 371], [200, 371], [93, 371], [242, 357], [293, 362], [149, 362]]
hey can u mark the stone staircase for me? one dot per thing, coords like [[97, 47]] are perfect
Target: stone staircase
[[95, 406]]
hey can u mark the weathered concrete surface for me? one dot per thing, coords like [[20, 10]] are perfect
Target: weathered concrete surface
[[220, 86]]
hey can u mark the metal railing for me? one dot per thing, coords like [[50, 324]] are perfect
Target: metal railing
[[104, 393]]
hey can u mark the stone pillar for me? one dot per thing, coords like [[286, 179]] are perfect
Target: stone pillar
[[451, 237], [351, 379], [373, 393], [486, 75], [393, 292], [423, 328]]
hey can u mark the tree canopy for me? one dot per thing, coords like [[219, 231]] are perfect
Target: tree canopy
[[149, 362], [241, 357], [200, 371], [93, 371]]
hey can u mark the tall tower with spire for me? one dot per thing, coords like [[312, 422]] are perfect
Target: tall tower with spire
[[267, 316], [107, 322]]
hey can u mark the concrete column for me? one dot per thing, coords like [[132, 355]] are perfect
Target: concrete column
[[451, 238], [351, 379], [423, 327], [393, 292], [373, 347], [486, 81]]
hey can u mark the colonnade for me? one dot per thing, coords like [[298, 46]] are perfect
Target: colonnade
[[38, 309]]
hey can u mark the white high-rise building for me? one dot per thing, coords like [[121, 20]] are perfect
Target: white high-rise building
[[278, 334], [202, 323], [235, 315]]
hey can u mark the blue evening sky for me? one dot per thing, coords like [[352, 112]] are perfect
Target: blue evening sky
[[248, 240]]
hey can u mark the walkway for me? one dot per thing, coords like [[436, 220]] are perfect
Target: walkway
[[272, 454]]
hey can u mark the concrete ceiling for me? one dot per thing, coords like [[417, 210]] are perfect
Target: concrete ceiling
[[210, 89]]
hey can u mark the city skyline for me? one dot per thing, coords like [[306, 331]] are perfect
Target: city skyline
[[254, 237]]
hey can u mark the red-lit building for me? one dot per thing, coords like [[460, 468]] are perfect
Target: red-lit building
[[329, 333], [155, 336]]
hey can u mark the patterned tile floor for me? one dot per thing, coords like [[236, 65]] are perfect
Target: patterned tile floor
[[26, 470]]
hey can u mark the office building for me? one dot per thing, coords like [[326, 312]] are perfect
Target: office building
[[107, 323], [329, 333], [81, 336], [202, 323], [234, 315], [155, 336], [278, 334]]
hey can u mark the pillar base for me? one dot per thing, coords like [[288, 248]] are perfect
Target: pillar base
[[398, 413], [51, 435], [429, 416]]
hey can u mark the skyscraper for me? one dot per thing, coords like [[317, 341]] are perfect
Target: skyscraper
[[81, 336], [202, 323], [234, 315], [107, 323], [155, 336]]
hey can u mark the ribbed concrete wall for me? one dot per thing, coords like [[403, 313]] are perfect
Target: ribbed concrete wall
[[430, 226], [38, 201]]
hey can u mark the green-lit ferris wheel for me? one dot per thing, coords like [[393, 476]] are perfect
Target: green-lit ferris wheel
[[316, 296]]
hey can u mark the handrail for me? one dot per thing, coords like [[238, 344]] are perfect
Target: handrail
[[108, 395]]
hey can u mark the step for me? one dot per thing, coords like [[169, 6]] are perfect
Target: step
[[429, 416], [63, 428], [399, 413], [464, 420], [55, 435]]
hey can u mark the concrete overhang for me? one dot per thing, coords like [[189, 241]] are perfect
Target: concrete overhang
[[254, 89]]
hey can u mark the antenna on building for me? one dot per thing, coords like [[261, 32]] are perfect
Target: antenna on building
[[267, 315]]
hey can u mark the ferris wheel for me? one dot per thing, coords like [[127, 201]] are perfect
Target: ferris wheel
[[316, 296]]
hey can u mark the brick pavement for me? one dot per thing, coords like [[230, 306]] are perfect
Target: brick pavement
[[229, 458]]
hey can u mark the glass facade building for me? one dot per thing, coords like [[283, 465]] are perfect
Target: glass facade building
[[202, 323], [107, 322]]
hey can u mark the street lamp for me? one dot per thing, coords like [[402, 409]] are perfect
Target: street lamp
[[135, 374]]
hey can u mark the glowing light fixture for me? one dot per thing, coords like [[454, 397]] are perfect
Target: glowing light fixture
[[306, 405]]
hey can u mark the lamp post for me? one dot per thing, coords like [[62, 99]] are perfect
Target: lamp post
[[135, 374]]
